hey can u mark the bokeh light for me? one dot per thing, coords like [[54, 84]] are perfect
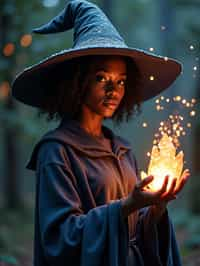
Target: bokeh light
[[8, 49], [26, 40], [4, 90]]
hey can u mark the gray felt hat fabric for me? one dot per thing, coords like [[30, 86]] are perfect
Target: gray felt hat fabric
[[94, 34]]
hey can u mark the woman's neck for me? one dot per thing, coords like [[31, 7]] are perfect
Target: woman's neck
[[91, 123]]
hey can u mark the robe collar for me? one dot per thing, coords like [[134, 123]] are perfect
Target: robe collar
[[70, 133], [80, 139]]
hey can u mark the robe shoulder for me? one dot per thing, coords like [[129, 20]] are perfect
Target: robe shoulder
[[53, 149]]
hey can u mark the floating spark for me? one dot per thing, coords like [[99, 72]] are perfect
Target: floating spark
[[151, 49], [192, 113], [184, 101], [157, 100], [144, 124], [166, 141], [193, 100]]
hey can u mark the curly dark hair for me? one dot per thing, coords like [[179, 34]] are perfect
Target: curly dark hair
[[65, 85]]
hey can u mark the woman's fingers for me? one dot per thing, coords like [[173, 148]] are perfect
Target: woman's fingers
[[164, 187], [163, 195], [169, 194], [184, 179], [144, 182], [186, 171]]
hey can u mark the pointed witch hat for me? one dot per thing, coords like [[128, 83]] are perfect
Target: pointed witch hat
[[94, 34]]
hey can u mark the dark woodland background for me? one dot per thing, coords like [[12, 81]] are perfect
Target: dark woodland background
[[172, 28]]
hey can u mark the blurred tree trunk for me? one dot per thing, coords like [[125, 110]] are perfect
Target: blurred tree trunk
[[167, 15], [167, 27], [195, 185], [167, 20], [197, 132], [11, 188]]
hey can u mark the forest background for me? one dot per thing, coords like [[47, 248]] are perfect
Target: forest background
[[165, 27]]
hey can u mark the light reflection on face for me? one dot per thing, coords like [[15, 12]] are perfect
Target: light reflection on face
[[106, 85]]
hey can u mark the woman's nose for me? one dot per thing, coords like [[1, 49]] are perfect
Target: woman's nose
[[109, 88]]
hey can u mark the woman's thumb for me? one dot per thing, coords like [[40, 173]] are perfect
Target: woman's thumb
[[144, 182]]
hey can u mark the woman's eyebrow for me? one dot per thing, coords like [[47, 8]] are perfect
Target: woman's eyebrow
[[106, 71]]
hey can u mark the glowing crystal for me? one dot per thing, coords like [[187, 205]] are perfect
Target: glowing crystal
[[164, 161]]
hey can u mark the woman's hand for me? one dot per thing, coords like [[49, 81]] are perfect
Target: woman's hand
[[159, 209], [141, 197]]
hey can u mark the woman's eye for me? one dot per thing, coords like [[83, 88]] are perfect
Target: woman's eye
[[100, 78], [122, 82]]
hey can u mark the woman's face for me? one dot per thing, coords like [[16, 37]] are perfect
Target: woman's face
[[106, 85]]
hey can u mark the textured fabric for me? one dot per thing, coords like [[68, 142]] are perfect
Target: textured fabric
[[94, 34], [78, 219]]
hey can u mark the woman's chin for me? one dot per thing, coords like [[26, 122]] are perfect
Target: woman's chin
[[108, 114]]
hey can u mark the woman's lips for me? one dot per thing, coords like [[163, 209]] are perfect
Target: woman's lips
[[110, 104]]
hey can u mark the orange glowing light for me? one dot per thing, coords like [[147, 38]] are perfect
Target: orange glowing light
[[158, 107], [4, 90], [8, 49], [26, 40], [177, 98], [193, 100], [164, 161]]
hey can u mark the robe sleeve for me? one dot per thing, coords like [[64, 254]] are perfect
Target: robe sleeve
[[68, 235], [157, 241]]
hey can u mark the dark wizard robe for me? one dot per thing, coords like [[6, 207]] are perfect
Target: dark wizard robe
[[78, 218]]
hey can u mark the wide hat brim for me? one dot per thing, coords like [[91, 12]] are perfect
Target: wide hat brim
[[157, 72]]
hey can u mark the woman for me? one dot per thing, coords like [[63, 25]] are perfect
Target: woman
[[91, 208]]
